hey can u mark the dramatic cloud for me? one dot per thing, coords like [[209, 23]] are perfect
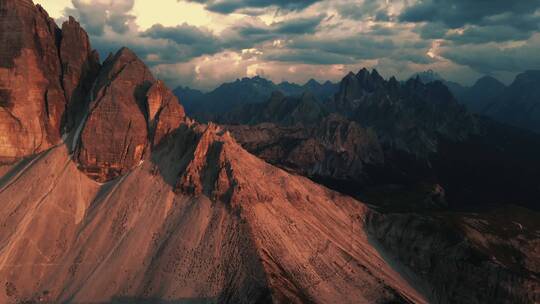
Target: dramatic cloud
[[202, 43], [488, 58], [194, 40], [95, 15], [457, 13], [229, 6]]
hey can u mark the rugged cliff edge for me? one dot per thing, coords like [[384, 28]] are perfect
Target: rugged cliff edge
[[40, 77]]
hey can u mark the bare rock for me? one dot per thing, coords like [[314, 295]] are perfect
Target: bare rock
[[80, 67], [32, 102], [115, 134], [165, 114], [336, 148]]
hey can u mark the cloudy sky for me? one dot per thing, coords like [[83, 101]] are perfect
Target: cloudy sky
[[202, 43]]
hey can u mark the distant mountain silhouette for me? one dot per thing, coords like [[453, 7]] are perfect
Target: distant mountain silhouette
[[517, 104], [230, 96]]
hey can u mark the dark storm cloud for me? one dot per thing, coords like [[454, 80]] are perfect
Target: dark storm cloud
[[434, 30], [298, 26], [358, 47], [351, 49], [480, 21], [309, 56], [230, 6], [245, 35], [484, 34], [183, 34], [457, 13], [373, 9], [487, 58], [184, 42]]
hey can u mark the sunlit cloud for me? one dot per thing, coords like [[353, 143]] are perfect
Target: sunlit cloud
[[203, 43]]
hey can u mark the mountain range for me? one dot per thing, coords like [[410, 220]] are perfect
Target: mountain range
[[419, 157], [516, 104], [204, 106], [384, 192]]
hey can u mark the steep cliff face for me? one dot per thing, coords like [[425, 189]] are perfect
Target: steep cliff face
[[165, 114], [38, 75], [80, 66], [129, 113], [114, 136], [30, 71]]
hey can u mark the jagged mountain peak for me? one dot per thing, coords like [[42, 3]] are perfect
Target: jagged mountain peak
[[428, 76], [489, 83], [527, 77], [312, 83]]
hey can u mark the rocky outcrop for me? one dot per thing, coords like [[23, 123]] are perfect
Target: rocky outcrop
[[336, 148], [165, 114], [33, 100], [410, 117], [115, 135], [129, 114], [80, 66], [42, 69]]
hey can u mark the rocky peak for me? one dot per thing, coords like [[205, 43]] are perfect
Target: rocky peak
[[398, 110], [527, 78], [209, 171], [488, 82], [312, 83], [34, 68], [165, 114], [428, 76], [130, 113], [80, 67], [115, 134]]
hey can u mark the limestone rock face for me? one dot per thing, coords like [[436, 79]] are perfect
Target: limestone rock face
[[165, 114], [45, 76], [32, 101], [80, 66], [115, 134]]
